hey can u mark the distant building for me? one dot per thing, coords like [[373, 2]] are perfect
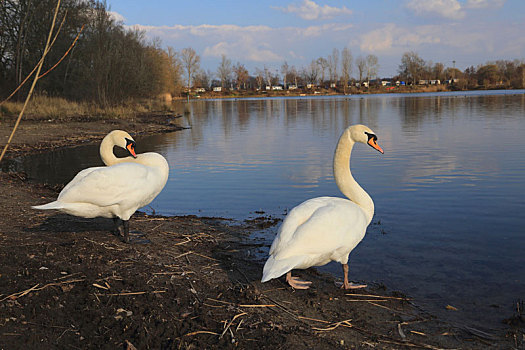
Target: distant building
[[217, 89], [435, 82], [200, 90], [277, 87], [292, 87], [333, 85], [310, 86], [423, 82]]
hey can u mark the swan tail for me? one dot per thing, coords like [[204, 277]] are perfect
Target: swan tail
[[275, 268], [51, 205]]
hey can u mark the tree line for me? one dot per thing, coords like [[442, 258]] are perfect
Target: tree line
[[500, 73], [111, 64]]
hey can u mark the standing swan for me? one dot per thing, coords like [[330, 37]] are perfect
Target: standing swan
[[116, 190], [325, 229]]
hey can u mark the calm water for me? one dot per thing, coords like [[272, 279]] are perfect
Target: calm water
[[449, 191]]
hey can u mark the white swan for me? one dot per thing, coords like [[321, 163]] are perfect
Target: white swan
[[116, 190], [325, 229]]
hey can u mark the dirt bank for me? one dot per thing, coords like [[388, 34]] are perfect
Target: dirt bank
[[66, 282]]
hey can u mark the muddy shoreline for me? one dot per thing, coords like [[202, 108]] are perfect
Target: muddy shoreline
[[66, 282]]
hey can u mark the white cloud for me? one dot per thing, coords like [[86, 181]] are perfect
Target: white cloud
[[391, 37], [309, 10], [479, 4], [248, 49], [117, 17], [253, 43], [450, 9], [467, 42]]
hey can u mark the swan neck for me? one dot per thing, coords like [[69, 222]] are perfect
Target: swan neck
[[107, 155], [344, 179]]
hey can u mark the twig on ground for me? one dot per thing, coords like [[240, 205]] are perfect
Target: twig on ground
[[36, 288], [130, 293], [375, 296], [230, 323], [200, 332]]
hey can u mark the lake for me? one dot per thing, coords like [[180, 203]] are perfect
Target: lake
[[449, 192]]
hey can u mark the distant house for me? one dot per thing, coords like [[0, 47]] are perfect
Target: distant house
[[310, 86], [200, 90], [435, 82], [277, 87], [333, 85], [217, 89], [386, 83], [423, 82], [292, 87]]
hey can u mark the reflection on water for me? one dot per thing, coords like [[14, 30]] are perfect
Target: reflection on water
[[449, 191]]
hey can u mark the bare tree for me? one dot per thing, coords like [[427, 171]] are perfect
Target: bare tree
[[333, 62], [411, 66], [346, 67], [322, 64], [361, 67], [224, 72], [292, 75], [259, 77], [285, 69], [176, 67], [438, 71], [372, 66], [311, 73], [268, 76], [241, 75], [191, 62], [203, 78]]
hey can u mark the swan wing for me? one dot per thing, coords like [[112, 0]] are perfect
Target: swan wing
[[315, 211], [105, 186], [314, 233], [334, 223], [79, 176]]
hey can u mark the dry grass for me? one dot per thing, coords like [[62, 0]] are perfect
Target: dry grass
[[57, 108]]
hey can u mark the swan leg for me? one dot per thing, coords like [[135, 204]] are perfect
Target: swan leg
[[125, 225], [296, 283], [119, 229], [349, 285]]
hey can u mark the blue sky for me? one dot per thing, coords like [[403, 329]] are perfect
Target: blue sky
[[267, 33]]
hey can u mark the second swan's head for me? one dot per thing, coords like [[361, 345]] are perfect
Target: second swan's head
[[122, 139], [363, 134]]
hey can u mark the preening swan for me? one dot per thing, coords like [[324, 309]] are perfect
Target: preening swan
[[325, 229], [116, 190]]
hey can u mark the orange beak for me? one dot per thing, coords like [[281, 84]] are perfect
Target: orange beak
[[374, 145], [131, 150]]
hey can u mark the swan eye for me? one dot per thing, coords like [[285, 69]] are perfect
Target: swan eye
[[130, 146], [371, 136]]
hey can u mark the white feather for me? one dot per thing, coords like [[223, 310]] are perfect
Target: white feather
[[113, 191], [325, 229]]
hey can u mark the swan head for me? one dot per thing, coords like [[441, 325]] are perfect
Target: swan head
[[124, 140], [363, 134]]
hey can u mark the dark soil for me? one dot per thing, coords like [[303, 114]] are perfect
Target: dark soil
[[68, 283]]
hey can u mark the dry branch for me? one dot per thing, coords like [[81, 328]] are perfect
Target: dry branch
[[129, 293], [46, 50], [230, 323], [375, 296]]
